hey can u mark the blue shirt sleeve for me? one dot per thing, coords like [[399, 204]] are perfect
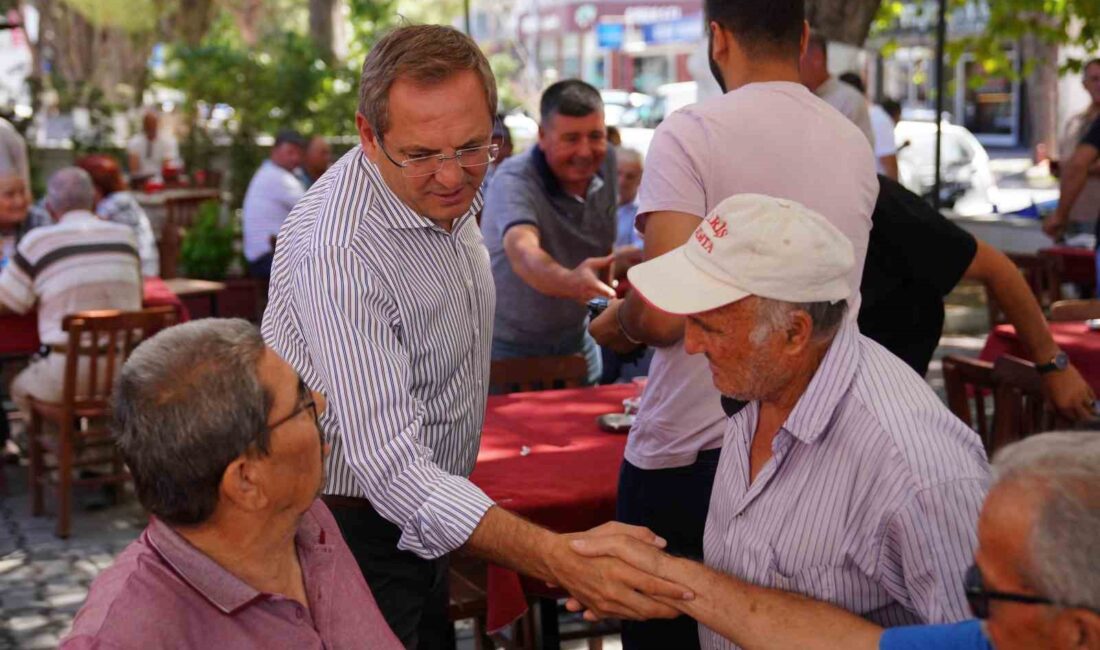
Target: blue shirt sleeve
[[967, 635]]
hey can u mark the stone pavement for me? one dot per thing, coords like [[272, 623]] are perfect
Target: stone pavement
[[43, 579]]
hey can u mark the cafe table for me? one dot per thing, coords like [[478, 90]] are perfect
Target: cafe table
[[544, 458], [19, 333], [1080, 344]]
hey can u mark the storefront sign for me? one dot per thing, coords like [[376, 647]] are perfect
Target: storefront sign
[[610, 36], [684, 30]]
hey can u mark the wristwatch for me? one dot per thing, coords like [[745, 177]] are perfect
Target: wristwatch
[[1059, 362]]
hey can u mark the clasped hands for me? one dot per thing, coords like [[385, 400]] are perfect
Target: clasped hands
[[614, 571]]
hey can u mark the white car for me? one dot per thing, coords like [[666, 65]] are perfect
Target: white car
[[618, 102], [967, 184]]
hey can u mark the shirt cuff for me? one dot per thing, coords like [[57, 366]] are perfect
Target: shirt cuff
[[446, 520]]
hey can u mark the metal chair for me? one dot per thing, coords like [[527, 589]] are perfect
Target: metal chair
[[99, 343]]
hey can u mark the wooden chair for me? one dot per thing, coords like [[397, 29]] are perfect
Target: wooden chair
[[99, 343], [468, 600], [1042, 272], [970, 387], [1074, 310], [537, 373], [179, 215], [1020, 410]]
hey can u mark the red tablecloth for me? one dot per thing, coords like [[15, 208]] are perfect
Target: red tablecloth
[[19, 334], [1078, 264], [567, 481], [1076, 339]]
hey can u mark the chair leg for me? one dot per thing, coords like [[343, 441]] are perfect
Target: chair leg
[[64, 481], [35, 472]]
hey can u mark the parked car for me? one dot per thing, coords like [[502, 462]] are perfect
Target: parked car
[[967, 185], [618, 102], [669, 98]]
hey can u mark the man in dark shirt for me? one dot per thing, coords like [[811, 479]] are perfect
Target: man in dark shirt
[[1075, 173], [915, 257]]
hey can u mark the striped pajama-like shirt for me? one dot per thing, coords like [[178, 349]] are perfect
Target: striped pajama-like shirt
[[390, 317], [870, 500]]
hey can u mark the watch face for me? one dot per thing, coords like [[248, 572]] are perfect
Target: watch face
[[1061, 361]]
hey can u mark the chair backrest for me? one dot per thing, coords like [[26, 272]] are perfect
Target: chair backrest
[[537, 373], [1020, 408], [99, 343], [179, 215], [969, 385], [1074, 310], [1042, 272]]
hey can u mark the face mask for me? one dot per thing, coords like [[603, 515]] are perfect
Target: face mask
[[714, 64]]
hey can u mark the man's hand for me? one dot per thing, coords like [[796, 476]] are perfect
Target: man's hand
[[605, 329], [585, 282], [1055, 225], [628, 548], [607, 586], [1067, 391], [626, 257]]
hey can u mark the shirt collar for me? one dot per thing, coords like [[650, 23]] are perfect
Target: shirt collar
[[74, 216], [550, 181], [224, 590], [814, 410], [393, 212]]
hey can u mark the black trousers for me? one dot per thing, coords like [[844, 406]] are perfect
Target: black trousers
[[412, 593], [672, 503]]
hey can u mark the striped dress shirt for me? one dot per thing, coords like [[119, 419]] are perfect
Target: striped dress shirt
[[390, 317], [870, 500]]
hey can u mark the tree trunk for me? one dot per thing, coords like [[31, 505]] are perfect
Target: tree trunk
[[323, 17], [846, 21], [1042, 95]]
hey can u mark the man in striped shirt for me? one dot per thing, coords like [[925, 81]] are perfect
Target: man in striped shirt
[[382, 299], [77, 264], [844, 477]]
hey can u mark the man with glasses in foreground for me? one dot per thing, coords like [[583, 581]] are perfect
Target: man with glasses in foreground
[[550, 226], [382, 298], [222, 439], [1035, 581]]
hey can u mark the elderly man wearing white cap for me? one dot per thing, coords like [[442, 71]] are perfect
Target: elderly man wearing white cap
[[843, 477]]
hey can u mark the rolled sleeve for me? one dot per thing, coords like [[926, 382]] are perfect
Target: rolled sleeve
[[929, 544], [509, 202], [367, 380]]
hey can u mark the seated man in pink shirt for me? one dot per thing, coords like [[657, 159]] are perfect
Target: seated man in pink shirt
[[221, 436]]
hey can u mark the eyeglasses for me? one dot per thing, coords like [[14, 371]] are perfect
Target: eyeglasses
[[978, 596], [307, 404], [428, 165]]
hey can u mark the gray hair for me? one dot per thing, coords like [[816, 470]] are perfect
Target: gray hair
[[70, 188], [187, 403], [426, 54], [1065, 542], [627, 154], [775, 315]]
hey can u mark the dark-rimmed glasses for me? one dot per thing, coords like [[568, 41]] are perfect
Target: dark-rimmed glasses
[[428, 165], [307, 403], [978, 596]]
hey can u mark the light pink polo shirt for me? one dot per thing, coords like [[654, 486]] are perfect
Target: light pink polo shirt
[[774, 138]]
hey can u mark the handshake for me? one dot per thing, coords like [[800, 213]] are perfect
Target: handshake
[[619, 571]]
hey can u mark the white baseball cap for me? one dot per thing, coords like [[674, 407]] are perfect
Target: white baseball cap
[[750, 245]]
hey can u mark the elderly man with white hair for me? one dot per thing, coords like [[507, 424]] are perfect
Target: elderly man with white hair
[[78, 263], [842, 476], [1035, 582]]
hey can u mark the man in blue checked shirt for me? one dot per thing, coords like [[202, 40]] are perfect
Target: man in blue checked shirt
[[1035, 582], [382, 298]]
